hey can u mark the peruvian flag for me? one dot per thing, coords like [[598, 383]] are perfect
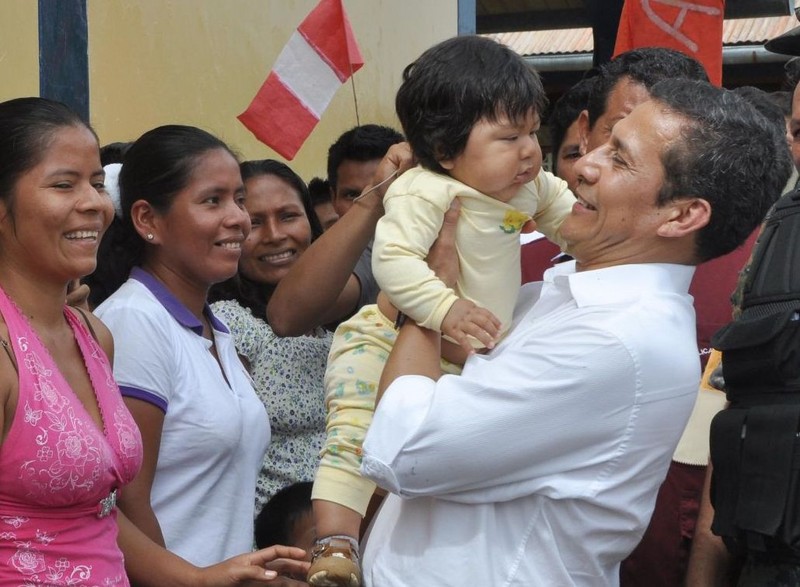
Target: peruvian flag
[[691, 26], [319, 57]]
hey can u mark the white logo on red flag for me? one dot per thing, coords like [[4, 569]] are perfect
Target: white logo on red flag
[[674, 29]]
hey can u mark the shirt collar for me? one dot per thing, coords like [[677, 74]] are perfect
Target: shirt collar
[[176, 309], [622, 283]]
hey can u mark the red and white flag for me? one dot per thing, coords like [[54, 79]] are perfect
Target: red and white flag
[[319, 57], [691, 26]]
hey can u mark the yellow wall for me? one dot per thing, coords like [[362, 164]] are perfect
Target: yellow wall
[[19, 49], [200, 62]]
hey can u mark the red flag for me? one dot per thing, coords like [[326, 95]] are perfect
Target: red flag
[[691, 26], [319, 57]]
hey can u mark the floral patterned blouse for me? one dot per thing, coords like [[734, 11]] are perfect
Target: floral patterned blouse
[[287, 376], [59, 471]]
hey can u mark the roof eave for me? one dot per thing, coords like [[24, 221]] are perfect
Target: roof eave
[[731, 55]]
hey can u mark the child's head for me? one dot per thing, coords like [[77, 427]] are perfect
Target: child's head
[[458, 84], [287, 519]]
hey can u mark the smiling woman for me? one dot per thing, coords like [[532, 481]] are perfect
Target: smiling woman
[[204, 430], [76, 237], [57, 459], [283, 223], [183, 224], [287, 372]]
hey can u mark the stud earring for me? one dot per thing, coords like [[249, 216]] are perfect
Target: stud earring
[[150, 236]]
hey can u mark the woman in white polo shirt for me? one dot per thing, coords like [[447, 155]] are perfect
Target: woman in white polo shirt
[[204, 429]]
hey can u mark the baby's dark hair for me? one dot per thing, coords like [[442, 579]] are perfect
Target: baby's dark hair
[[276, 521], [455, 84]]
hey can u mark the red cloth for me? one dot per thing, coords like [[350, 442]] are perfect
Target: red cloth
[[537, 257], [691, 26], [662, 557], [319, 57], [712, 286]]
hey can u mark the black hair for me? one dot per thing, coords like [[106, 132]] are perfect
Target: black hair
[[113, 152], [766, 105], [455, 84], [783, 99], [27, 126], [274, 523], [565, 111], [249, 293], [362, 143], [792, 73], [156, 167], [646, 66], [320, 190], [729, 154]]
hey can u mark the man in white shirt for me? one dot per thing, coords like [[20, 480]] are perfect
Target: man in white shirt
[[539, 465]]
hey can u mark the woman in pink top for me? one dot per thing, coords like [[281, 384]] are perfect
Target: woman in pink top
[[67, 443]]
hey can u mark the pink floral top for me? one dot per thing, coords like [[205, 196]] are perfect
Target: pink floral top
[[58, 470]]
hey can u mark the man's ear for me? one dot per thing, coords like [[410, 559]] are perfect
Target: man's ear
[[583, 132], [145, 221], [685, 216]]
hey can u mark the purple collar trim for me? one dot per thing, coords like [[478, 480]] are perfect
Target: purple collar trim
[[176, 309]]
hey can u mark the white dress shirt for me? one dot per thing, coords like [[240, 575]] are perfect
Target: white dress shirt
[[540, 464]]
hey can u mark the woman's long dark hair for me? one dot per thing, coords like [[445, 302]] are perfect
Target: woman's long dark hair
[[249, 293]]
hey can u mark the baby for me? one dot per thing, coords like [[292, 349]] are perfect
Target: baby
[[470, 109]]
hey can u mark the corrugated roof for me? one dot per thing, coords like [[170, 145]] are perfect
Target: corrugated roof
[[756, 31], [740, 31]]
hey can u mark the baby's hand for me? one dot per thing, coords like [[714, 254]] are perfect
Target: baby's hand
[[465, 319]]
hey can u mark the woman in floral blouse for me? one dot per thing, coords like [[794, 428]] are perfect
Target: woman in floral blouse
[[287, 372]]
